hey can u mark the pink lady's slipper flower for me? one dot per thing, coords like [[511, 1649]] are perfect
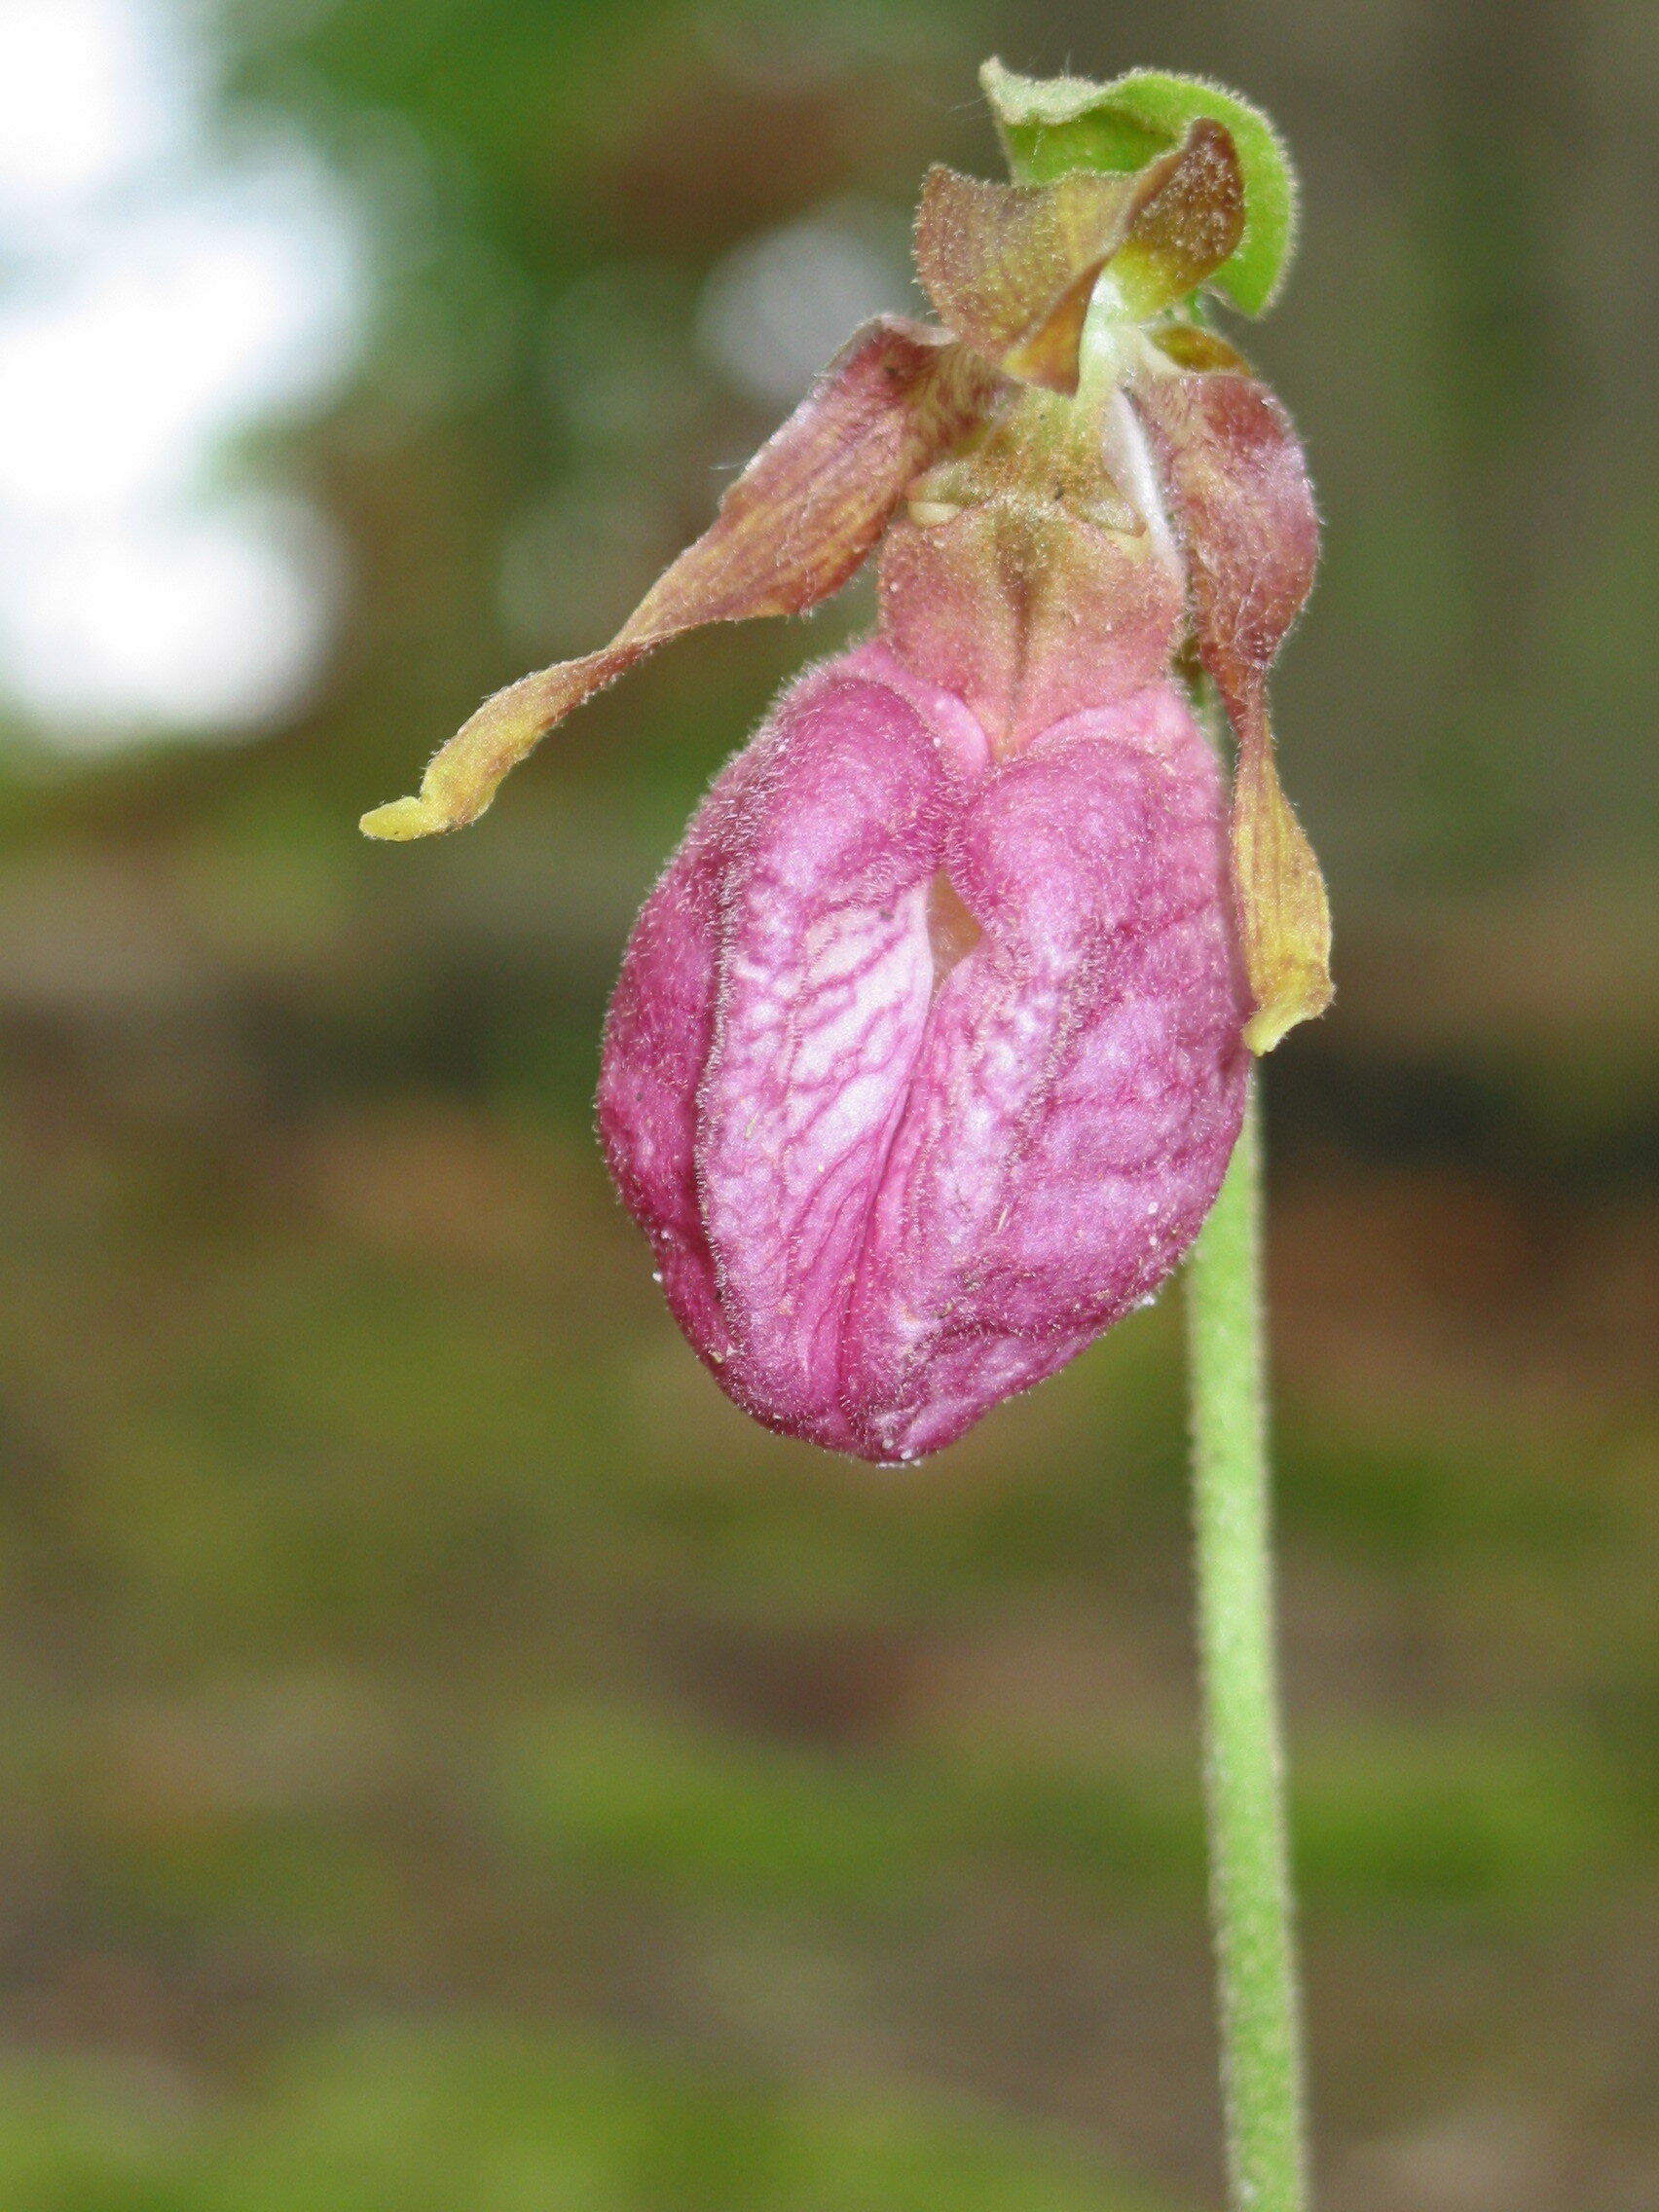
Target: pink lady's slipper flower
[[929, 1047]]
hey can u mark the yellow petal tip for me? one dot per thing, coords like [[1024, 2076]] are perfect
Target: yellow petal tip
[[401, 819], [1275, 1020]]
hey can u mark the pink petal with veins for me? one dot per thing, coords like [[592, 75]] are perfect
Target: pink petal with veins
[[897, 1166]]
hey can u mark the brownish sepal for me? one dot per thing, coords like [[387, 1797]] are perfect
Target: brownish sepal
[[1011, 267]]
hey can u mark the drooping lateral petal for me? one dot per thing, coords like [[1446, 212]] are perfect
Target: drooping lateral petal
[[1011, 267], [1238, 488], [795, 527], [1284, 917]]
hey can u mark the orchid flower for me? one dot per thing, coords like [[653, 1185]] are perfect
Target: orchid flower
[[931, 1046]]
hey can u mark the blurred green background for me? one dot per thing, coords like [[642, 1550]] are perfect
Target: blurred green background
[[450, 1761]]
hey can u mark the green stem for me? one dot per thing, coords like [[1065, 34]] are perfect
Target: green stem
[[1243, 1766]]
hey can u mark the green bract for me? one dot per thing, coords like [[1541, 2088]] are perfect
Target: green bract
[[1052, 126]]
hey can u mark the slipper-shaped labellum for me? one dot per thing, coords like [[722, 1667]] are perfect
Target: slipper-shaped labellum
[[929, 1047]]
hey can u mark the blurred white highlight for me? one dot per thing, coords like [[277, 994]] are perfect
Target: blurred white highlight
[[779, 307], [158, 300], [88, 95]]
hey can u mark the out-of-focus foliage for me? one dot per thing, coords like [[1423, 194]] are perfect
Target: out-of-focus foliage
[[496, 2122], [450, 1759]]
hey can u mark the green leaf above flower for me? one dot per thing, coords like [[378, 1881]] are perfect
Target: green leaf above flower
[[1053, 126]]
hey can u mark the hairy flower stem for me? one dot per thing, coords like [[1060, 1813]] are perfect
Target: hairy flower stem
[[1243, 1766]]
